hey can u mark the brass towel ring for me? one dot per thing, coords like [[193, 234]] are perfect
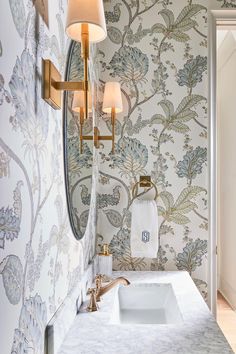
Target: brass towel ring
[[148, 183]]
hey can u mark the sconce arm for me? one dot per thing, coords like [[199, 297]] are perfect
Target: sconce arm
[[52, 85], [68, 85]]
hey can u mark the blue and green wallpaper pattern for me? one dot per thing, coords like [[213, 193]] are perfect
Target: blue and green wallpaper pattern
[[157, 50]]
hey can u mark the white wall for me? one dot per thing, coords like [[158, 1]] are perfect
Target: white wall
[[227, 167]]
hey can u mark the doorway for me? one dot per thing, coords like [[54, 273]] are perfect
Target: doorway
[[222, 160], [226, 177]]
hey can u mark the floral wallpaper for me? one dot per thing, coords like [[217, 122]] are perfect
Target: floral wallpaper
[[40, 260], [157, 50]]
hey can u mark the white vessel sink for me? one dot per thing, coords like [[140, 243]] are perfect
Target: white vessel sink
[[146, 303]]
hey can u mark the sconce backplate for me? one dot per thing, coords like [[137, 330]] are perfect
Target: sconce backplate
[[50, 75]]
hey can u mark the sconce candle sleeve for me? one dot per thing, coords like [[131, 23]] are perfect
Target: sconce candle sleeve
[[112, 98], [78, 101]]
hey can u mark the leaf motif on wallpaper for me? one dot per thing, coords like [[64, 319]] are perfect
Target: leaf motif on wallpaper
[[192, 72], [192, 255], [83, 220], [10, 218], [192, 163], [227, 4], [73, 277], [136, 37], [187, 194], [168, 17], [11, 270], [5, 96], [165, 230], [165, 138], [36, 36], [105, 200], [127, 217], [35, 263], [114, 217], [159, 262], [76, 160], [85, 195], [113, 16], [59, 234], [167, 199], [175, 120], [18, 15], [114, 35], [175, 29], [58, 48], [127, 262], [175, 211], [120, 243], [29, 336], [129, 64], [184, 112], [140, 124], [130, 157], [32, 122], [76, 66], [184, 19]]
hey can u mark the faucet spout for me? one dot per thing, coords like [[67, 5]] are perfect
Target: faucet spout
[[101, 290]]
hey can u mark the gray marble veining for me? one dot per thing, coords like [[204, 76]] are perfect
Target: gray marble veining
[[91, 333], [64, 317]]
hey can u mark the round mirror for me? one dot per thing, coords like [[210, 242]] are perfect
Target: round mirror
[[77, 163]]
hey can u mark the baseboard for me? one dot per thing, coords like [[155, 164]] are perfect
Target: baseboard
[[228, 292]]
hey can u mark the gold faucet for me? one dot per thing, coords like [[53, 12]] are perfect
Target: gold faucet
[[101, 290], [92, 306]]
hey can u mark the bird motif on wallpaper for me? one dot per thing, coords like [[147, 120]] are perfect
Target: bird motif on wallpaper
[[103, 200]]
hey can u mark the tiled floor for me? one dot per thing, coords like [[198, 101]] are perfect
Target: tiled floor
[[226, 319]]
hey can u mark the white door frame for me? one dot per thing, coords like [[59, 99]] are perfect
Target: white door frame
[[214, 16]]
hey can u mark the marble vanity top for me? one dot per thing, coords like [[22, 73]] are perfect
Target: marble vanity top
[[91, 333]]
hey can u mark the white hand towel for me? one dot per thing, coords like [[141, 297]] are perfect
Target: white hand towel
[[144, 229]]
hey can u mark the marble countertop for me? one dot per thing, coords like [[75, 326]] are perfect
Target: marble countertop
[[91, 333]]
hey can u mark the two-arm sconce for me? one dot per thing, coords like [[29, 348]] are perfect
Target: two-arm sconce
[[112, 104], [86, 24]]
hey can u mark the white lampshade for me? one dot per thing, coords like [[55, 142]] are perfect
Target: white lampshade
[[78, 101], [112, 98], [89, 12]]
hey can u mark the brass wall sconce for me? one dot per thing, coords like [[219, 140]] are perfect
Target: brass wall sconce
[[112, 103], [85, 24]]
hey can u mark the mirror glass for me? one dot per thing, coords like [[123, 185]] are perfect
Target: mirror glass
[[78, 165]]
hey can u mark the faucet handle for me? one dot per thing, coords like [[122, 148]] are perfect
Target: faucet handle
[[98, 283], [92, 306], [102, 278]]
